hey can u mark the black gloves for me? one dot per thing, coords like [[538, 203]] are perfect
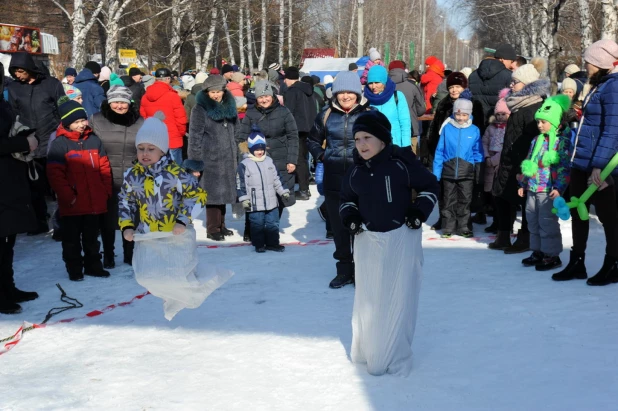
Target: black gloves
[[414, 218], [353, 224]]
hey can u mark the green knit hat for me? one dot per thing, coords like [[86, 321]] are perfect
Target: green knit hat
[[551, 111]]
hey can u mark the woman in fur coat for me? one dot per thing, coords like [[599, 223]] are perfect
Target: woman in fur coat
[[528, 90], [213, 151]]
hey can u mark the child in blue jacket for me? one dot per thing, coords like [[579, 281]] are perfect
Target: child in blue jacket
[[457, 164]]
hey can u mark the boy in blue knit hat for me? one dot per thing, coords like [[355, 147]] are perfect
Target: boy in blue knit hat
[[257, 184]]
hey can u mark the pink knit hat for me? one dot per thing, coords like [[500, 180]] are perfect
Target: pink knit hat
[[501, 106], [602, 54]]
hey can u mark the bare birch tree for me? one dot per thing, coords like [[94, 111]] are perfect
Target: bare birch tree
[[249, 35], [241, 37], [262, 37], [281, 30], [80, 28], [585, 26], [228, 39], [290, 14], [610, 19]]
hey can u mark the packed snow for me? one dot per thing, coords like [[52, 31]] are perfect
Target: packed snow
[[491, 334]]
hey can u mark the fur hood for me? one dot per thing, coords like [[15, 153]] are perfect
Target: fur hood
[[127, 119], [541, 87], [218, 111]]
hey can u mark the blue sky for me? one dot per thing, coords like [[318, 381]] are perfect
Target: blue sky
[[453, 21]]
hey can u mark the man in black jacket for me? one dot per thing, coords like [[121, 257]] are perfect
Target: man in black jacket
[[33, 98], [134, 82], [492, 76], [298, 98]]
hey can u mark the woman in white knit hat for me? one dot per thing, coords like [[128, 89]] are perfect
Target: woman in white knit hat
[[528, 90]]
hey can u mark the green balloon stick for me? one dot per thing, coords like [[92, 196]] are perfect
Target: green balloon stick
[[580, 203]]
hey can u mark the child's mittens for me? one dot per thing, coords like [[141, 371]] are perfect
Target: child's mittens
[[178, 229], [246, 205], [128, 234], [286, 196]]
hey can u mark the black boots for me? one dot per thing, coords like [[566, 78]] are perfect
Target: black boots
[[576, 269], [7, 306], [492, 229], [549, 263], [608, 273], [216, 236], [534, 259], [303, 195], [479, 218], [277, 248], [503, 241], [521, 245], [345, 275]]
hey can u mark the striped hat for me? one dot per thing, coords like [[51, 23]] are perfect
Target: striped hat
[[120, 94], [71, 111], [71, 91], [256, 140]]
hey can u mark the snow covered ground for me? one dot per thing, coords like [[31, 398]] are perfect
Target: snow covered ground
[[491, 335]]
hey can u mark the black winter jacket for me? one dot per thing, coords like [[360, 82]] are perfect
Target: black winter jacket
[[117, 132], [521, 128], [137, 89], [485, 84], [414, 96], [279, 128], [337, 156], [16, 212], [298, 98], [36, 103], [379, 190]]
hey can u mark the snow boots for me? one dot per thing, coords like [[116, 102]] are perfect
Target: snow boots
[[576, 269], [533, 260], [549, 263], [503, 241], [10, 295], [608, 273], [521, 245], [345, 275]]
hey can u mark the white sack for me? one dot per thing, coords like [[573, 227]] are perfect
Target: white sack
[[168, 267], [388, 274]]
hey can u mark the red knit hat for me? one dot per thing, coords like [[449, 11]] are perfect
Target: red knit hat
[[214, 71], [456, 79], [397, 64]]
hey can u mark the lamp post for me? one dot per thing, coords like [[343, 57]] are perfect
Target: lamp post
[[444, 41], [360, 39]]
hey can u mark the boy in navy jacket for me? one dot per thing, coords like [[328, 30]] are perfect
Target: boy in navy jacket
[[457, 164]]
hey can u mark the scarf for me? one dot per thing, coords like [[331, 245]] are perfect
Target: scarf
[[514, 103], [383, 97], [530, 167], [257, 159]]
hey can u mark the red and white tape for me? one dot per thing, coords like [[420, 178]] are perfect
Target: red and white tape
[[293, 243], [17, 337]]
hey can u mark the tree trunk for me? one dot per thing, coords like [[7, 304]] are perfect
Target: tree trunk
[[211, 38], [176, 40], [281, 30], [610, 20], [228, 39], [249, 36], [262, 38], [585, 24], [290, 10], [241, 38], [347, 48]]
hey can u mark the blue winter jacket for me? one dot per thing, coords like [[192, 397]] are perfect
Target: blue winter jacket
[[92, 93], [598, 134], [459, 149], [398, 114]]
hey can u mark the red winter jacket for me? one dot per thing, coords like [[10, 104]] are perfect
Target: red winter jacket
[[237, 91], [431, 80], [79, 172], [162, 97]]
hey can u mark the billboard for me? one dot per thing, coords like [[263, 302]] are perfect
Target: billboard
[[19, 38]]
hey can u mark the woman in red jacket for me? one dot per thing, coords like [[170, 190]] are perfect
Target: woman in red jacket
[[431, 79]]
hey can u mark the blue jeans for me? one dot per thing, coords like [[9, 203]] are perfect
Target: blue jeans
[[176, 154], [264, 228]]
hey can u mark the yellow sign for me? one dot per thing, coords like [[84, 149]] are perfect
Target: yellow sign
[[126, 53], [126, 56]]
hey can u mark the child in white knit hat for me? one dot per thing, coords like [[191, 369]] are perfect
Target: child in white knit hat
[[157, 194]]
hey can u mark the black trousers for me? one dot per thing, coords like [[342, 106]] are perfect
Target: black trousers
[[109, 225], [605, 206], [302, 166], [506, 213], [6, 262], [342, 237], [457, 198], [81, 233], [39, 189]]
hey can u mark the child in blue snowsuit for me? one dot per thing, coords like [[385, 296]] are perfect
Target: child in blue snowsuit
[[257, 185], [457, 164]]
